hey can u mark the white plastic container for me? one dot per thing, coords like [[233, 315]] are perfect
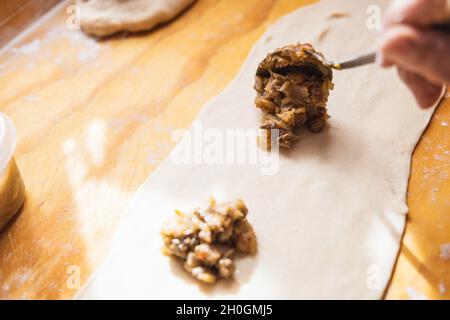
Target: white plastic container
[[12, 189]]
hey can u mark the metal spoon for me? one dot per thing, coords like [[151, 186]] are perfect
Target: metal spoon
[[352, 63]]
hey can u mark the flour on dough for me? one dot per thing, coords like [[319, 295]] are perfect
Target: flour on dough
[[329, 222], [106, 17]]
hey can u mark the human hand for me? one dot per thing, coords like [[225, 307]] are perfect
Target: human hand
[[421, 53]]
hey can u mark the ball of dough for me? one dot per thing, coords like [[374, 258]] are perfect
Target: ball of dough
[[106, 17]]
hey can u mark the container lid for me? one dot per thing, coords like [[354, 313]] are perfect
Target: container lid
[[7, 141]]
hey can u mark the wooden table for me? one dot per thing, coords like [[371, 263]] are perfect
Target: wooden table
[[94, 120]]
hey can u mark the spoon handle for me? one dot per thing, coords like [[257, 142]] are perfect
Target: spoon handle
[[356, 62]]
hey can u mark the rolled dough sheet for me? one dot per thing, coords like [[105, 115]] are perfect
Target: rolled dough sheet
[[329, 221]]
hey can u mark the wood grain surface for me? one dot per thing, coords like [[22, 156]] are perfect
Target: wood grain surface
[[16, 15], [94, 119]]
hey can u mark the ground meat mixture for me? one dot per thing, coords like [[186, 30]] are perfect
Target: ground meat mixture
[[207, 239], [292, 87]]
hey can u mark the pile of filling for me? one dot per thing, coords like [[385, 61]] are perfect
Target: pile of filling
[[207, 239], [292, 87]]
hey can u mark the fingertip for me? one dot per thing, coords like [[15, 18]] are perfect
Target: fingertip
[[432, 98], [425, 92], [426, 101]]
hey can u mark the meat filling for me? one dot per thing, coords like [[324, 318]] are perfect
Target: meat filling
[[207, 239], [292, 86]]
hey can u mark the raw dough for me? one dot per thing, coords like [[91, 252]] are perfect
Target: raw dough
[[106, 17], [329, 222], [293, 86]]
